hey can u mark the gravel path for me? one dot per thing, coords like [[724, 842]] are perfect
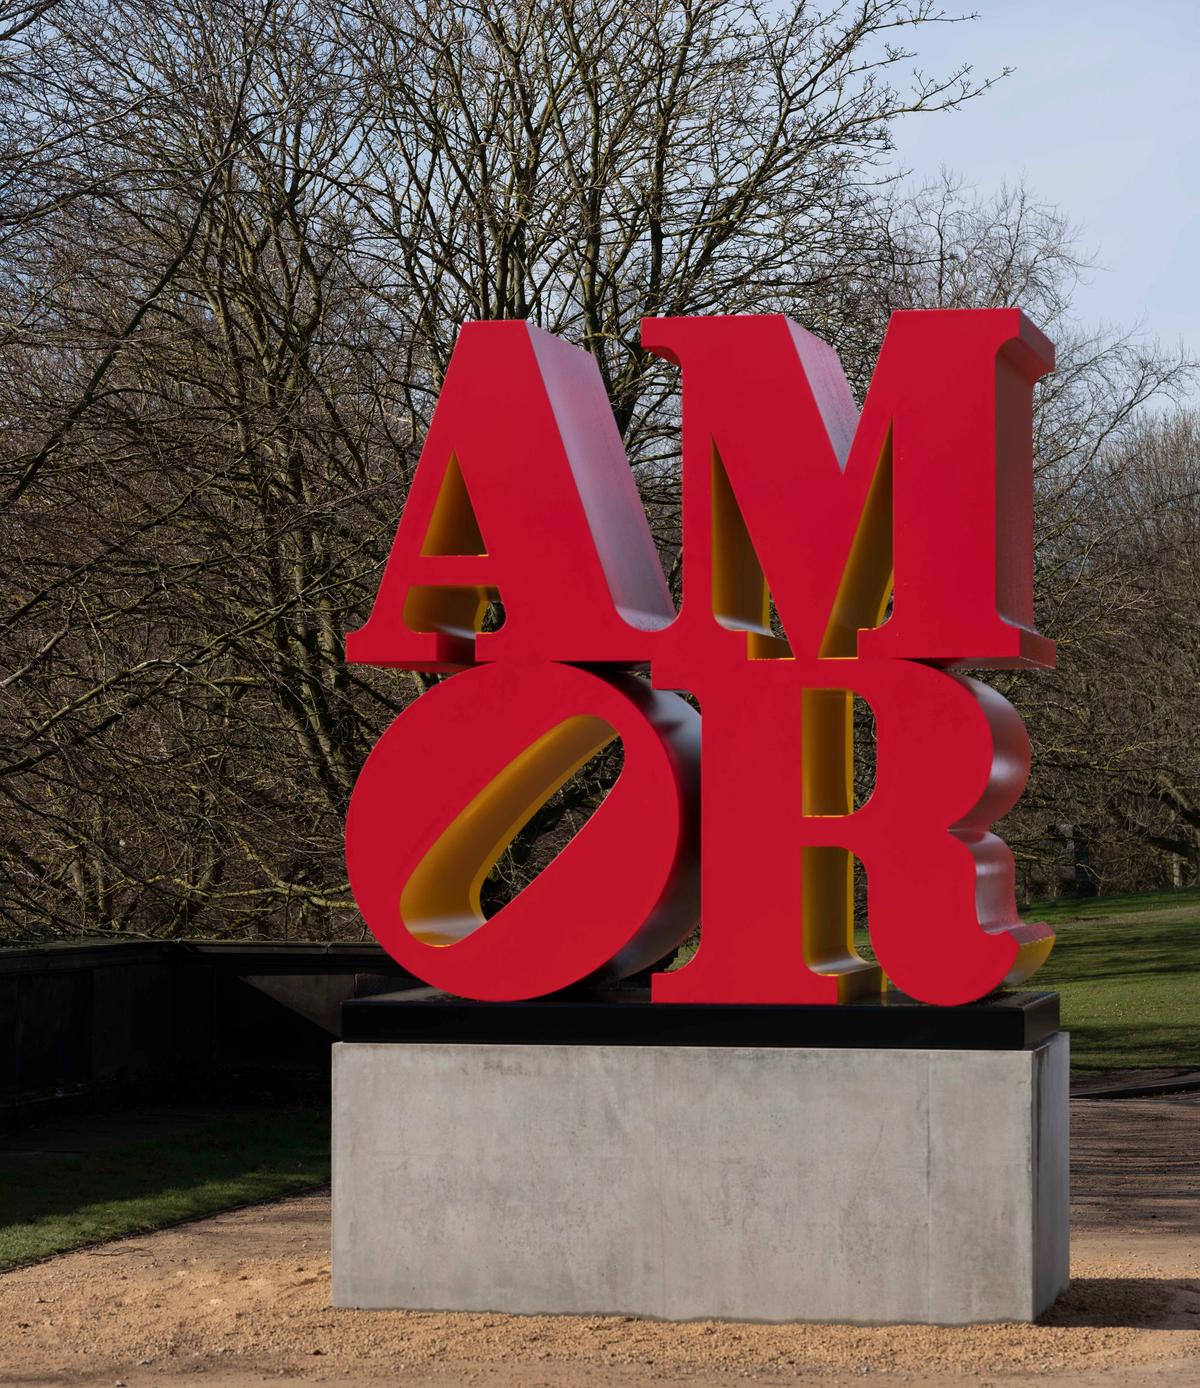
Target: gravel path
[[243, 1298]]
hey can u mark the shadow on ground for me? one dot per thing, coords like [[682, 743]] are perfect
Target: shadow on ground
[[1157, 1303], [1136, 1160], [66, 1185]]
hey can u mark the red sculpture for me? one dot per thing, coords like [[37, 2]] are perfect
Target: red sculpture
[[523, 493]]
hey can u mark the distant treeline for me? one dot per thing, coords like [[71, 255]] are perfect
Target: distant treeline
[[236, 240]]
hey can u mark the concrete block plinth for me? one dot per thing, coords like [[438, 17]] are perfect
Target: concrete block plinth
[[772, 1183]]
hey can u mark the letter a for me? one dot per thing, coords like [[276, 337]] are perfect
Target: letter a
[[522, 495]]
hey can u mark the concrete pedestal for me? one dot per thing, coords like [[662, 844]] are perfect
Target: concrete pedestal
[[755, 1183]]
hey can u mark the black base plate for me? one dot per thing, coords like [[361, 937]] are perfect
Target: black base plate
[[624, 1017]]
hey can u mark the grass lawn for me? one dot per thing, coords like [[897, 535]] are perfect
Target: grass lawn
[[55, 1201], [1128, 972], [1128, 969]]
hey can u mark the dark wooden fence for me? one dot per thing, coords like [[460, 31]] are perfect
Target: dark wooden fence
[[80, 1020]]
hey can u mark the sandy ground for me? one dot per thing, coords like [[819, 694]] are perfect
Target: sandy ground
[[243, 1298]]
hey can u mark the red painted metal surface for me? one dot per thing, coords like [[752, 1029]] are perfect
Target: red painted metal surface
[[460, 767], [801, 520]]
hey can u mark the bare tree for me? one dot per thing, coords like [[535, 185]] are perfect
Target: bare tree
[[1107, 476], [237, 241], [198, 414], [1121, 754]]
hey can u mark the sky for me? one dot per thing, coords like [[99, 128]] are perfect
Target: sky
[[1101, 118]]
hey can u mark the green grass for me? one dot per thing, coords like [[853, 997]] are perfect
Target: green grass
[[53, 1203], [1128, 970]]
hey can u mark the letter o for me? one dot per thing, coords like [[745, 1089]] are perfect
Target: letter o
[[456, 776]]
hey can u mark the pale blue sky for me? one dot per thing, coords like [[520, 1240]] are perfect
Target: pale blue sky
[[1100, 118]]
